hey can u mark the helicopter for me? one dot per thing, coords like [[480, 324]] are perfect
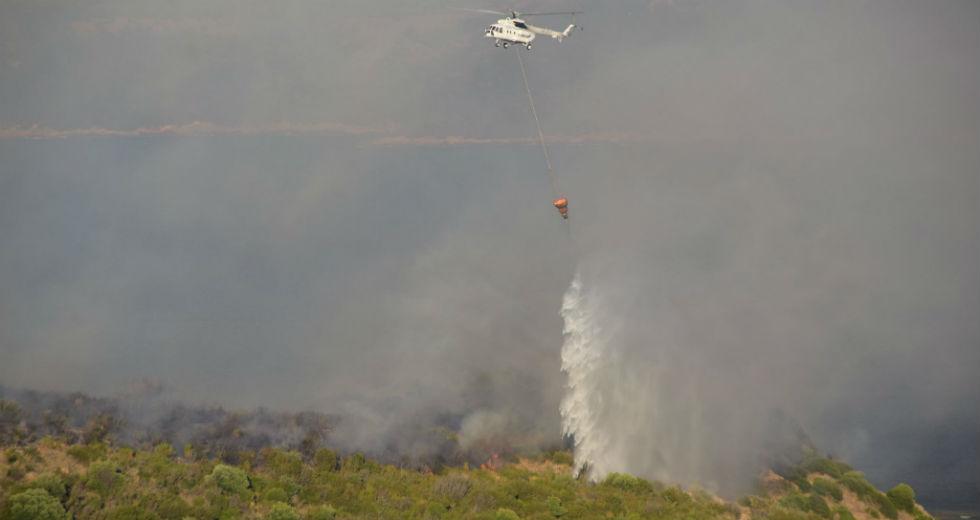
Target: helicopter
[[514, 30]]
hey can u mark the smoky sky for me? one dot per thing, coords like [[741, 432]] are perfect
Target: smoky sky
[[778, 202]]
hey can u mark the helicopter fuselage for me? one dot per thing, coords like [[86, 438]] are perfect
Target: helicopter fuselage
[[508, 31]]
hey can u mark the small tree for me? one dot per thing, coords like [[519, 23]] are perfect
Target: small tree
[[555, 507], [903, 496], [35, 504], [51, 483], [229, 479], [281, 511]]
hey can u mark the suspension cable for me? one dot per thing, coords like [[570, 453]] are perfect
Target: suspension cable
[[537, 123]]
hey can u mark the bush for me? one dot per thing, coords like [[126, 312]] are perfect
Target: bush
[[830, 467], [275, 494], [454, 487], [627, 482], [165, 505], [921, 515], [844, 513], [103, 477], [355, 463], [885, 506], [795, 501], [283, 463], [325, 460], [827, 488], [506, 514], [817, 505], [51, 483], [35, 504], [86, 453], [555, 507], [229, 479], [855, 481], [561, 457], [903, 497], [281, 511]]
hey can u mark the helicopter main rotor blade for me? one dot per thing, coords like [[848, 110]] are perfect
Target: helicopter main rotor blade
[[550, 13], [484, 11]]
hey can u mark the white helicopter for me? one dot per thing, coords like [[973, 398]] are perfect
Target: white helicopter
[[514, 30]]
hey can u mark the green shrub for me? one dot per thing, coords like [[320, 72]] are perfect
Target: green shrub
[[275, 494], [283, 463], [844, 513], [435, 510], [86, 453], [229, 479], [855, 481], [358, 462], [921, 515], [830, 467], [325, 460], [903, 497], [627, 482], [506, 514], [676, 495], [281, 511], [817, 505], [795, 501], [103, 477], [885, 505], [555, 507], [827, 488], [563, 457], [51, 483], [35, 504], [165, 505]]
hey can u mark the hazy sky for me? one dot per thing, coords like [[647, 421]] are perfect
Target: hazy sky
[[333, 205]]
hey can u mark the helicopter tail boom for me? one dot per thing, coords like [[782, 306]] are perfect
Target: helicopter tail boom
[[567, 31], [554, 34]]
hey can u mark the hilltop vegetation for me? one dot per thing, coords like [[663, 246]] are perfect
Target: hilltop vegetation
[[52, 479], [72, 458]]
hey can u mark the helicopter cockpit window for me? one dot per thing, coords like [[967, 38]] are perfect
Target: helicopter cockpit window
[[522, 25]]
